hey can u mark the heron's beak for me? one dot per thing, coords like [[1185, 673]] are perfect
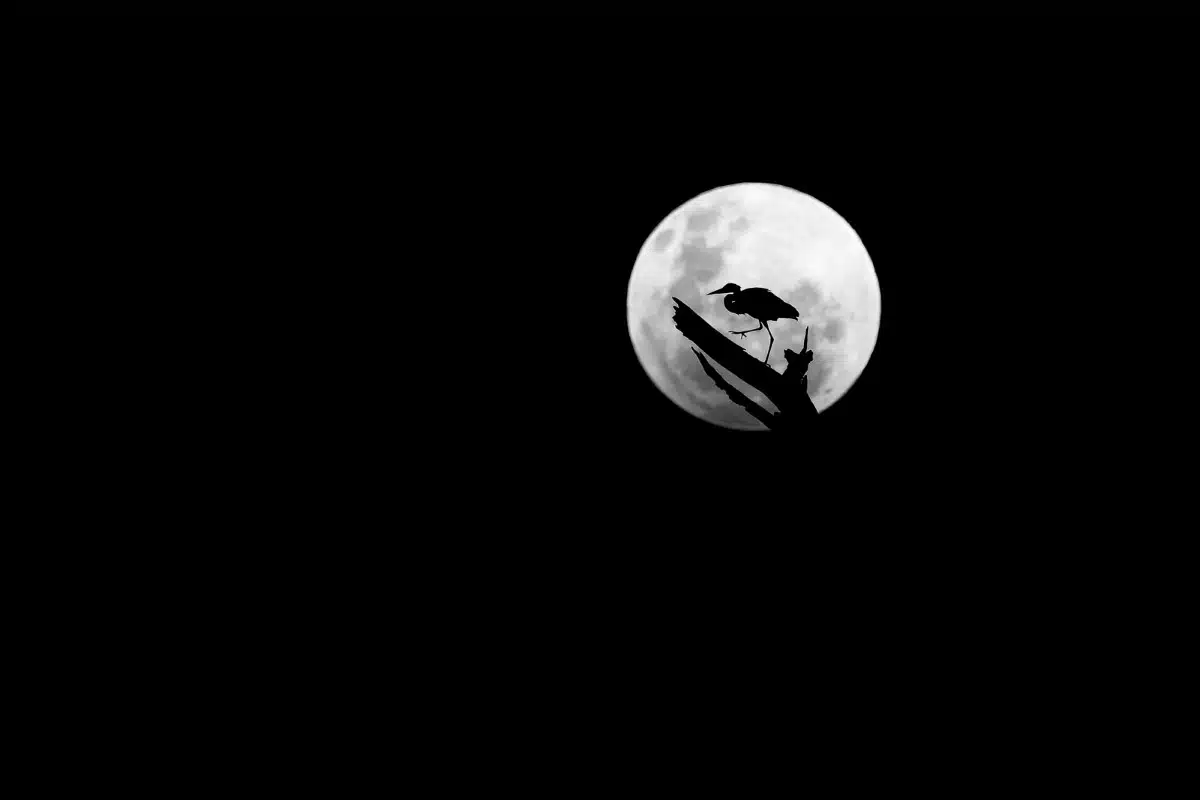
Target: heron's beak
[[720, 291]]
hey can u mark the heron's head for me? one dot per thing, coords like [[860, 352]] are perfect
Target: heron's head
[[727, 288]]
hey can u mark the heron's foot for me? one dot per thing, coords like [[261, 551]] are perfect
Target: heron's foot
[[739, 333]]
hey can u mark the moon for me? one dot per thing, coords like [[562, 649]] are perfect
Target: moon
[[754, 234]]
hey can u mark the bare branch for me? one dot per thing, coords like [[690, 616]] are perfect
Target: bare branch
[[786, 392], [757, 411]]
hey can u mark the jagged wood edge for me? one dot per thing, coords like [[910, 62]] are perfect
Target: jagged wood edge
[[757, 411]]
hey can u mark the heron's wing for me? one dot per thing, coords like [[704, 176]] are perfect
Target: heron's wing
[[781, 309], [763, 301]]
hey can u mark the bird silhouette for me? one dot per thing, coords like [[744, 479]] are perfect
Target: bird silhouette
[[760, 304]]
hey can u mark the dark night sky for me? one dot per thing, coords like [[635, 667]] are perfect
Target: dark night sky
[[456, 243], [339, 348]]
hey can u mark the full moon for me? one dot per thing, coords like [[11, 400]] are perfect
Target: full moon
[[754, 234]]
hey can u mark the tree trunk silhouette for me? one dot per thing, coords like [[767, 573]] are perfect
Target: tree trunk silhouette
[[787, 392]]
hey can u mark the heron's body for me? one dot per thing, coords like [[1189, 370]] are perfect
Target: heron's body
[[759, 304]]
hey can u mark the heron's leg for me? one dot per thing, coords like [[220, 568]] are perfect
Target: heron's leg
[[749, 330], [772, 344]]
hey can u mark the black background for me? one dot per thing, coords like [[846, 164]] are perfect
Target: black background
[[420, 241], [343, 310]]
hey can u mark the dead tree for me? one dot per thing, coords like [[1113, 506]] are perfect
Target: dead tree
[[787, 391]]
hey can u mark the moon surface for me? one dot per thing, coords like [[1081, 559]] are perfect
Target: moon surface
[[754, 234]]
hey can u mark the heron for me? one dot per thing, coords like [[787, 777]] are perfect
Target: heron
[[760, 304]]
